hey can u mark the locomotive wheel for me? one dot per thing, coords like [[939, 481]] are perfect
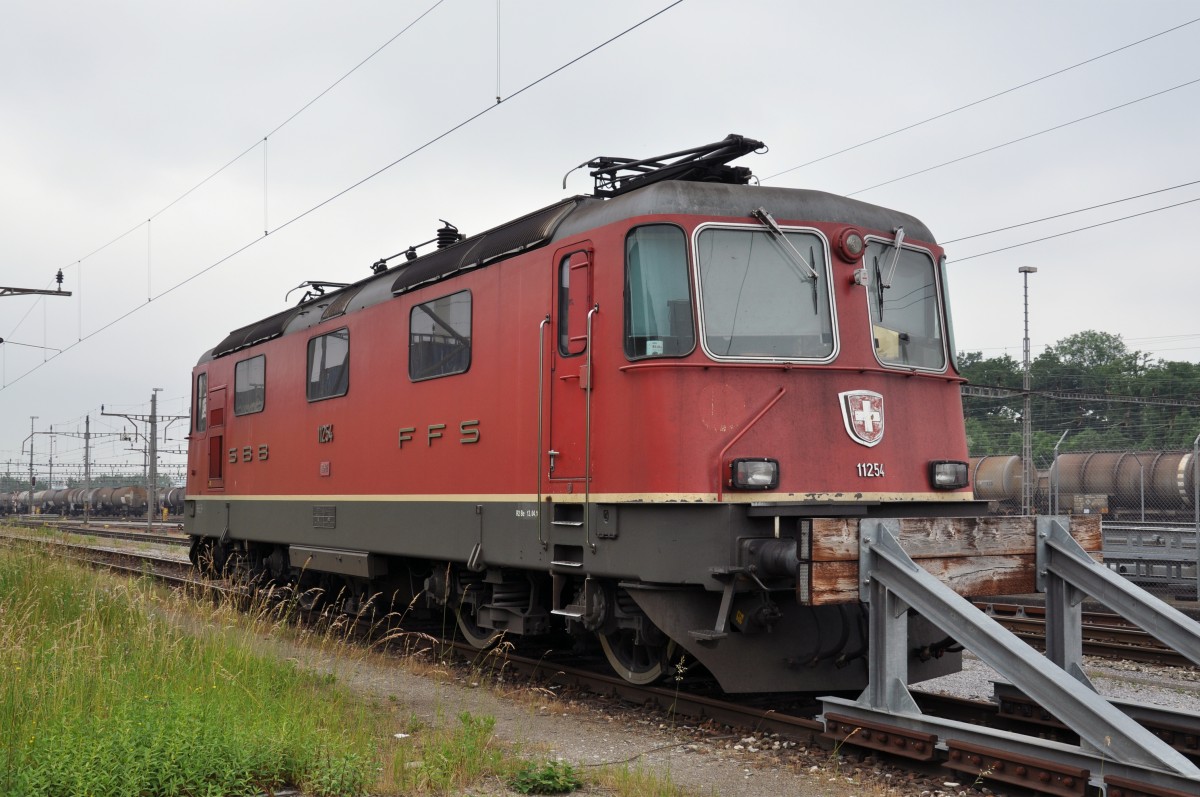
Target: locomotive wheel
[[637, 662], [478, 638]]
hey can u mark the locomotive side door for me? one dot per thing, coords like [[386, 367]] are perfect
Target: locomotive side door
[[570, 382], [216, 438]]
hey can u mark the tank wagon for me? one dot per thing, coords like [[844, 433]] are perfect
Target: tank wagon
[[14, 503], [171, 499], [128, 501], [653, 417], [1112, 483]]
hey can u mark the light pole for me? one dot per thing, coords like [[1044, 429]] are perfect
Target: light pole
[[1196, 504], [152, 460], [32, 418], [1141, 481], [1054, 470], [1027, 469]]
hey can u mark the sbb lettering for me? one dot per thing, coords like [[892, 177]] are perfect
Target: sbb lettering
[[261, 452]]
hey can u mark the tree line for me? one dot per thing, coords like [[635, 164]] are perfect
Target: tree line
[[1106, 397]]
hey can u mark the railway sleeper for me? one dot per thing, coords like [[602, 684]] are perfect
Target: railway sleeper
[[1115, 748]]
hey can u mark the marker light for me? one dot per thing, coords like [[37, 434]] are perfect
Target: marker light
[[754, 473], [851, 245], [948, 474]]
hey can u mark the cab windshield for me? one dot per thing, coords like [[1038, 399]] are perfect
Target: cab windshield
[[758, 299], [906, 323]]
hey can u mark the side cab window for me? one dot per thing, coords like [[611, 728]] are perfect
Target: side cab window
[[201, 402], [574, 302], [658, 298]]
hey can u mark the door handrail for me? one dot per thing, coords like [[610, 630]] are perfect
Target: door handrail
[[587, 436], [541, 419]]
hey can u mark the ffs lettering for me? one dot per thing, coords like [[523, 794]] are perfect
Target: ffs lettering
[[468, 433]]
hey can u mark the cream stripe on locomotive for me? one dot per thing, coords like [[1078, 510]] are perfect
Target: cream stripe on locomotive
[[609, 498]]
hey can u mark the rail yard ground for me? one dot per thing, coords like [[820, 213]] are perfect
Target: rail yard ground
[[118, 686]]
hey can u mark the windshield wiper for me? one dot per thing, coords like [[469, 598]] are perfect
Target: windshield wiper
[[878, 287], [766, 218], [887, 283]]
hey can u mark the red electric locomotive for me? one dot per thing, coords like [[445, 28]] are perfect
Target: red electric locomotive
[[644, 417]]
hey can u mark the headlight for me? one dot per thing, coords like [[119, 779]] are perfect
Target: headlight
[[754, 473], [850, 245], [948, 474]]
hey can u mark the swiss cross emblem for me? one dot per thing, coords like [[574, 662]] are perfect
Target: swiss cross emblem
[[862, 411]]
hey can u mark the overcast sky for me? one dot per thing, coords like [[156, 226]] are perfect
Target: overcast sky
[[110, 112]]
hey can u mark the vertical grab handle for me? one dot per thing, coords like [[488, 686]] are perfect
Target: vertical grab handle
[[541, 387], [587, 436]]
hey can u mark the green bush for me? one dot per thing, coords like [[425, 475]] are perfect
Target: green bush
[[551, 777]]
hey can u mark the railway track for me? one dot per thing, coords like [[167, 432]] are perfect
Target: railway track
[[107, 528], [1105, 635], [691, 698]]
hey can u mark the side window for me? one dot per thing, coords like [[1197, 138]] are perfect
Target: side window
[[439, 337], [906, 320], [250, 385], [574, 302], [201, 402], [329, 365], [658, 300]]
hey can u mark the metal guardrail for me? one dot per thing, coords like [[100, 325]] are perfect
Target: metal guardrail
[[1160, 557]]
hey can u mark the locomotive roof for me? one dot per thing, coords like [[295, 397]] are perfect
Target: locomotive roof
[[720, 199], [563, 220]]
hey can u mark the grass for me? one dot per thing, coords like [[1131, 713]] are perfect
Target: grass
[[104, 694], [116, 686]]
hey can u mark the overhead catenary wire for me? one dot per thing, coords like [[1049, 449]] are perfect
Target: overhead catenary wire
[[353, 186], [435, 5], [1072, 232], [1025, 137], [260, 141], [462, 124], [105, 433], [232, 161], [982, 100], [8, 342], [498, 95], [1068, 213]]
